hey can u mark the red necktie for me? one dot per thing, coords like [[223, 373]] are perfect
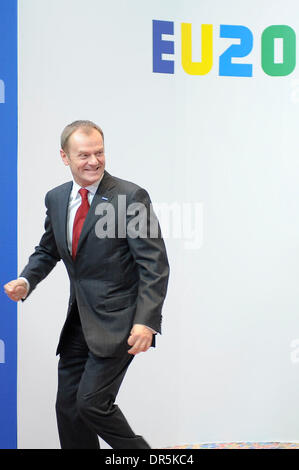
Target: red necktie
[[79, 220]]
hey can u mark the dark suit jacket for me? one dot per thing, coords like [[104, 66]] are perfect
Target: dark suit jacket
[[116, 282]]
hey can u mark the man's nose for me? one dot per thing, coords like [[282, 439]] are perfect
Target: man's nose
[[93, 160]]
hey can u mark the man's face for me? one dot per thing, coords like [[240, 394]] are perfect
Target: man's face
[[85, 157]]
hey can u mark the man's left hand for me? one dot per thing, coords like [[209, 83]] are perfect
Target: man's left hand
[[140, 339]]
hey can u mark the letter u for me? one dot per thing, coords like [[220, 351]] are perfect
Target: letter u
[[203, 67]]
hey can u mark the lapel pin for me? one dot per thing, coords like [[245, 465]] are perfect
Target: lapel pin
[[105, 198]]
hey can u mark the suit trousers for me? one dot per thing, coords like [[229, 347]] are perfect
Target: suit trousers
[[87, 389]]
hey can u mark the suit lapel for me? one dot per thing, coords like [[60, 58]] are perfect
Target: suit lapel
[[104, 193]]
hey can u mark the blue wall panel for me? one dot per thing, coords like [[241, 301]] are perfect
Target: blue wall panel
[[8, 221]]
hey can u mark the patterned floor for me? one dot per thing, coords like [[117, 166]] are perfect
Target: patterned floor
[[240, 445]]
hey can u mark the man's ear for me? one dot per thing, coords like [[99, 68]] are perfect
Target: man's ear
[[64, 157]]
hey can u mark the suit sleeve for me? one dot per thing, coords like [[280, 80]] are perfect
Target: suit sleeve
[[45, 256], [148, 249]]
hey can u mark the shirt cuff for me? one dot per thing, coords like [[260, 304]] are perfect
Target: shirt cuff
[[28, 285], [153, 331]]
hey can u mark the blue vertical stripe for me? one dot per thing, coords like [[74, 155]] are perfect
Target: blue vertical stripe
[[8, 221]]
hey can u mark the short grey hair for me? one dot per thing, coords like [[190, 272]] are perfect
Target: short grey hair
[[85, 126]]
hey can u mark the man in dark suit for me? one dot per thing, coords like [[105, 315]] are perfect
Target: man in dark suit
[[104, 230]]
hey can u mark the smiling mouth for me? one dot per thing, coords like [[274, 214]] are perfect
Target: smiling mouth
[[94, 170]]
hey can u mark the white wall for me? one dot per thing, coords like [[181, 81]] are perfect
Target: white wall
[[222, 370]]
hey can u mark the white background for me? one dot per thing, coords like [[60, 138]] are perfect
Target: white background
[[222, 370]]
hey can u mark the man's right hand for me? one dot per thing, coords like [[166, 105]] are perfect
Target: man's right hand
[[16, 289]]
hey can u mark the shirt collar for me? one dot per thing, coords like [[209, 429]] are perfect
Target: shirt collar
[[92, 188]]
